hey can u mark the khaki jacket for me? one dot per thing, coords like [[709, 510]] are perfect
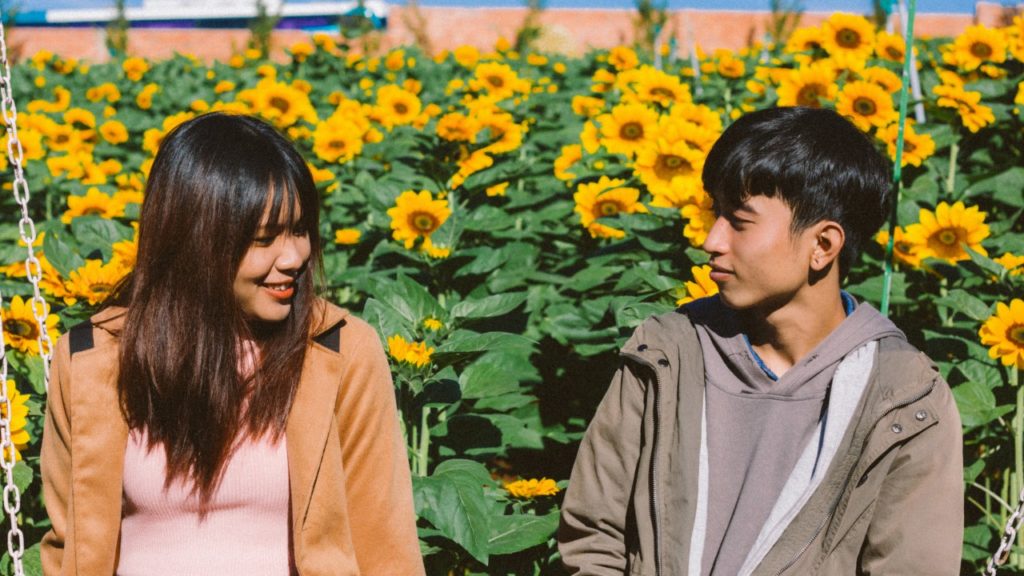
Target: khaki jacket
[[891, 501], [352, 508]]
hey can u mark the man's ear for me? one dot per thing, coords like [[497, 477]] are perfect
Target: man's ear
[[829, 241]]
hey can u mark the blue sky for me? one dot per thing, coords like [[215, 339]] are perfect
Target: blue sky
[[862, 6]]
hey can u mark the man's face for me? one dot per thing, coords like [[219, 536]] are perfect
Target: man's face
[[756, 259]]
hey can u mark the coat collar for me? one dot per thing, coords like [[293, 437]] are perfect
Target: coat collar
[[100, 435]]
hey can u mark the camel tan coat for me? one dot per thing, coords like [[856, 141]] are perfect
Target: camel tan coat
[[352, 508]]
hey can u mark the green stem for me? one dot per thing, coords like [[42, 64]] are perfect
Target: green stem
[[1018, 458], [954, 150], [424, 448], [728, 104]]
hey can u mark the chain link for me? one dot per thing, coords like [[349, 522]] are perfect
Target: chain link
[[1009, 536]]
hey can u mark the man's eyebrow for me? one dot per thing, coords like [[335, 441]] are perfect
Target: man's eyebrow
[[746, 207]]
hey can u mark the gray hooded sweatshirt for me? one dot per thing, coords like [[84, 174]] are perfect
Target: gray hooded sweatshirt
[[759, 425]]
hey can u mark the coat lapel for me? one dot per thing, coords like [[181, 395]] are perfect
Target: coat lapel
[[99, 438], [309, 424]]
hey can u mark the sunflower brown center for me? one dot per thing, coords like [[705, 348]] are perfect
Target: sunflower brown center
[[948, 237], [20, 328], [424, 223], [338, 144], [865, 106], [848, 38], [661, 92], [981, 50], [669, 166], [496, 81], [279, 103], [61, 138], [101, 288], [608, 208], [93, 210], [632, 131], [809, 95], [894, 52], [1015, 334], [401, 108]]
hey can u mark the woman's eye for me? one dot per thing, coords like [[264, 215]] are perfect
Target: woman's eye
[[263, 240]]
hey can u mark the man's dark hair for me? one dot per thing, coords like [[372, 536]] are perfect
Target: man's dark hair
[[814, 160]]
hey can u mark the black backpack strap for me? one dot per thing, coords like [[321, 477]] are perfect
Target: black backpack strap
[[331, 339], [81, 337]]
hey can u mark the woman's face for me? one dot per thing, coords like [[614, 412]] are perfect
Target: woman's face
[[266, 280]]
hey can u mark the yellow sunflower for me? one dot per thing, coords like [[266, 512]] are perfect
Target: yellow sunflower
[[650, 85], [808, 86], [1016, 38], [457, 127], [943, 234], [466, 56], [498, 80], [107, 91], [503, 133], [1004, 333], [590, 137], [728, 65], [347, 236], [397, 106], [916, 147], [807, 39], [890, 47], [848, 35], [604, 199], [698, 114], [134, 68], [337, 139], [1014, 264], [280, 103], [114, 132], [664, 164], [978, 45], [417, 215], [888, 80], [603, 81], [93, 203], [701, 286], [625, 129], [570, 155], [415, 353], [470, 163], [866, 105], [18, 418], [700, 217], [94, 281], [532, 488], [21, 331], [623, 58], [973, 113], [587, 106], [902, 250]]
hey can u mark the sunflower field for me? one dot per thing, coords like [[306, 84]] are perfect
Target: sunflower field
[[506, 219]]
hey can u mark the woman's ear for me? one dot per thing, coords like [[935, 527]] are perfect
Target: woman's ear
[[829, 241]]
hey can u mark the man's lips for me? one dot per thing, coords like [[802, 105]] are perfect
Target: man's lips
[[719, 273]]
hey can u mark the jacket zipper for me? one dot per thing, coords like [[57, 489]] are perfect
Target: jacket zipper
[[654, 460], [839, 495]]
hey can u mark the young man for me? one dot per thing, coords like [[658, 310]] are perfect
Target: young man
[[779, 427]]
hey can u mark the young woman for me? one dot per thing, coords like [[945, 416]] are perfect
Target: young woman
[[219, 418]]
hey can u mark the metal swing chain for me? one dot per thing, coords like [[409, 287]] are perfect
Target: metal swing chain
[[1009, 536], [33, 270]]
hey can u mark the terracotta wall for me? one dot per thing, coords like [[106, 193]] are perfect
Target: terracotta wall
[[570, 31]]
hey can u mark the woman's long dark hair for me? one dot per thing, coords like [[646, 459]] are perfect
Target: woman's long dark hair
[[181, 347]]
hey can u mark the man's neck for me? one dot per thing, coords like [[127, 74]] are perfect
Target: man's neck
[[783, 336]]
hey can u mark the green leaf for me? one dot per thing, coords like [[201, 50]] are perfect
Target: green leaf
[[1011, 181], [22, 476], [968, 305], [61, 255], [491, 375], [94, 233], [469, 341], [977, 404], [490, 306], [977, 542], [453, 501], [516, 532]]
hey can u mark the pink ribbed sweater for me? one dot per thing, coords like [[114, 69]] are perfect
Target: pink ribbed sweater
[[245, 530]]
